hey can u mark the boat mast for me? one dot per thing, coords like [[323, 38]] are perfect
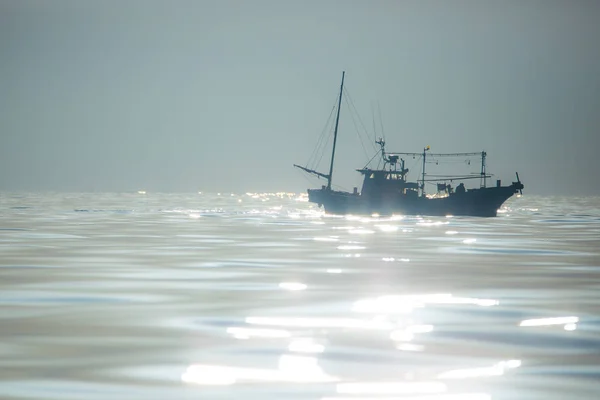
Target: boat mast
[[337, 122], [423, 176], [483, 174]]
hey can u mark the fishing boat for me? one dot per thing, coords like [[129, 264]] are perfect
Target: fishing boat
[[386, 189]]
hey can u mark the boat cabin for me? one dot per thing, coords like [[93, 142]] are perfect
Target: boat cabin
[[387, 183]]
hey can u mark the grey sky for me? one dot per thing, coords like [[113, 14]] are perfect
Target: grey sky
[[227, 95]]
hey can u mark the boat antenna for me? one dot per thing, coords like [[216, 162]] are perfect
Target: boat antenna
[[423, 176], [380, 121], [483, 173], [337, 122]]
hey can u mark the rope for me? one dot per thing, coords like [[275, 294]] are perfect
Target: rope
[[353, 108], [320, 145], [357, 131]]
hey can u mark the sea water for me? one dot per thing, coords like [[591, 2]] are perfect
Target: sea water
[[262, 296]]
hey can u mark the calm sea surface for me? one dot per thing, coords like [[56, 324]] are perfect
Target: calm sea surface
[[261, 296]]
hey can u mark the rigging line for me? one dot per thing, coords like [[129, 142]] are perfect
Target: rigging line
[[473, 174], [455, 155], [374, 126], [306, 177], [323, 150], [357, 130], [321, 137], [380, 120], [445, 161], [318, 148], [339, 187], [372, 158], [359, 119], [320, 144], [351, 106], [417, 160]]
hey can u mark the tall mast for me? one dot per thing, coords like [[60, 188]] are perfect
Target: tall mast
[[483, 173], [337, 122], [423, 176]]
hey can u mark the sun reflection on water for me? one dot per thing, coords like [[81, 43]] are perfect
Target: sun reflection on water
[[432, 223], [291, 368], [445, 396], [321, 322], [350, 247], [570, 323], [305, 345], [246, 333], [299, 364], [407, 303], [495, 370], [387, 228], [327, 239], [402, 388], [293, 286], [361, 231]]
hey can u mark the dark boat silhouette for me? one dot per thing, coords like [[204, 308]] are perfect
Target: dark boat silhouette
[[386, 191]]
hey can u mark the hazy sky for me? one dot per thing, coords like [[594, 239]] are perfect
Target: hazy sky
[[226, 95]]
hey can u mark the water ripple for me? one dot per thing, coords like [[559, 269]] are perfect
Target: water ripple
[[142, 295]]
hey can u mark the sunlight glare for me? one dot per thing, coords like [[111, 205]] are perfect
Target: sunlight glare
[[446, 396], [244, 333], [549, 321], [291, 369], [405, 304], [360, 231], [495, 370], [387, 228], [316, 322], [293, 286], [422, 387], [326, 239], [305, 345], [295, 368], [350, 247]]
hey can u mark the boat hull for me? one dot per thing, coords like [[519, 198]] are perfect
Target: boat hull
[[483, 202]]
